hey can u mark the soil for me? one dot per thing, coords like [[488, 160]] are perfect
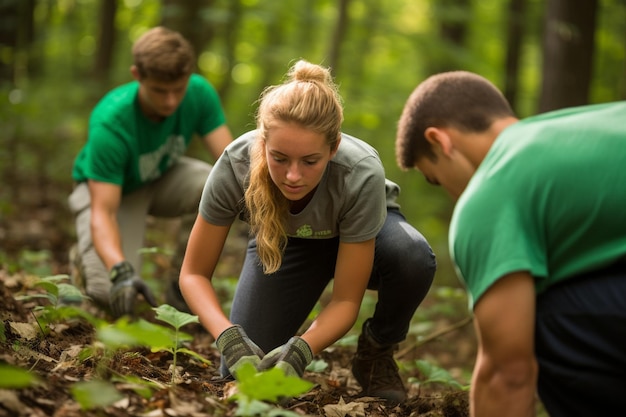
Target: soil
[[58, 355]]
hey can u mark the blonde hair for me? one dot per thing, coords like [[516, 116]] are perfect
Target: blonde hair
[[309, 98]]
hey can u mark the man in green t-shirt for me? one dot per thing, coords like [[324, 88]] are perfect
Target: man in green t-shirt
[[538, 236], [133, 165]]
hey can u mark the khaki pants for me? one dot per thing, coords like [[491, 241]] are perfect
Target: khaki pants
[[175, 195]]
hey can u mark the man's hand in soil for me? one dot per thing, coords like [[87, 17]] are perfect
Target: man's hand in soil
[[126, 286]]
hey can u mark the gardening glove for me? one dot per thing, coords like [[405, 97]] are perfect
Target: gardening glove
[[237, 349], [292, 357], [126, 286]]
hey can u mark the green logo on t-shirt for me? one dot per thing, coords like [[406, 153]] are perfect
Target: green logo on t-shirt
[[304, 231]]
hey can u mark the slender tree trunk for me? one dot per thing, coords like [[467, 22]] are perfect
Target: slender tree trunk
[[106, 40], [453, 17], [235, 12], [568, 49], [338, 36], [189, 18], [515, 37]]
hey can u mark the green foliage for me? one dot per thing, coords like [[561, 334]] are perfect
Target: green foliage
[[126, 333], [95, 394], [58, 293], [433, 374], [272, 385], [317, 365], [12, 377], [178, 319]]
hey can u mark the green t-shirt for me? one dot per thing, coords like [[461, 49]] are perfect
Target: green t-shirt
[[126, 148], [351, 200], [549, 198]]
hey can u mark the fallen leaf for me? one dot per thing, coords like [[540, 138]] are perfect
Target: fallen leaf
[[341, 409], [26, 331]]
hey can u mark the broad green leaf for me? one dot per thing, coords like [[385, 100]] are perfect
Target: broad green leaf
[[252, 408], [92, 394], [50, 287], [194, 355], [70, 293], [172, 316], [317, 365], [56, 278], [138, 333], [269, 385], [12, 377]]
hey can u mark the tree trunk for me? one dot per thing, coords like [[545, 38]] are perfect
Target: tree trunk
[[515, 35], [452, 16], [189, 18], [106, 40], [568, 49], [338, 36], [235, 12]]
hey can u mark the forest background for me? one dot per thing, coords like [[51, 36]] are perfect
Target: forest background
[[59, 57]]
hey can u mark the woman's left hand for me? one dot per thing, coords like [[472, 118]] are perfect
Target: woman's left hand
[[292, 357]]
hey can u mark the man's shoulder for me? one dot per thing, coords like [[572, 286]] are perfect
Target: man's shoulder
[[118, 101]]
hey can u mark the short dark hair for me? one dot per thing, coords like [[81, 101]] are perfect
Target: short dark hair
[[163, 54], [459, 99]]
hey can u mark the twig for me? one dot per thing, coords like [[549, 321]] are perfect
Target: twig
[[434, 336]]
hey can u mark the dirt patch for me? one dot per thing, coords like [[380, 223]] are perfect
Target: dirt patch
[[68, 353]]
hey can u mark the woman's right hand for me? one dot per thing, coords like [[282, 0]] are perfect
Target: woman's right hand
[[237, 349]]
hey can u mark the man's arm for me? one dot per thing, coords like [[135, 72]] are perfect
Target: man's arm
[[505, 375], [216, 140], [105, 202]]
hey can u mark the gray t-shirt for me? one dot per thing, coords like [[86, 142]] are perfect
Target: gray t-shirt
[[351, 200]]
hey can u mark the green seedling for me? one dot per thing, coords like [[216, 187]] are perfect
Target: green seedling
[[126, 333], [58, 292], [178, 319], [255, 388], [12, 377], [95, 394], [433, 374], [63, 300]]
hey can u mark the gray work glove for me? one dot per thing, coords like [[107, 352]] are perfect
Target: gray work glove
[[237, 349], [126, 286], [292, 357]]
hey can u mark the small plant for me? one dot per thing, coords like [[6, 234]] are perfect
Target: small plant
[[433, 374], [254, 388], [126, 333], [178, 319], [12, 377], [94, 394], [63, 299]]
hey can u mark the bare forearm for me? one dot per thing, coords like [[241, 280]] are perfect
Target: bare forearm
[[203, 301], [331, 324], [106, 239]]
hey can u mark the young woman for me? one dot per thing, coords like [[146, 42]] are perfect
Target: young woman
[[319, 208]]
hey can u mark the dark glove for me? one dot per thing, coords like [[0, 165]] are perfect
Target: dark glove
[[292, 357], [126, 286], [237, 349]]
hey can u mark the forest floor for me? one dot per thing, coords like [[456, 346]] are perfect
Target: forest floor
[[67, 352]]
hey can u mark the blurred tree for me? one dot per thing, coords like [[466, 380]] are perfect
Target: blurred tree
[[568, 51], [103, 63], [16, 37], [339, 35], [191, 19], [452, 18], [515, 34]]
